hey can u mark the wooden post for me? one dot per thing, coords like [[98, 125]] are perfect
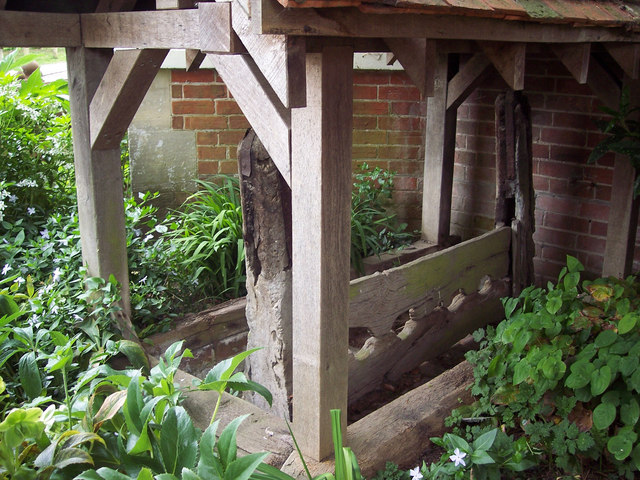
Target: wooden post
[[321, 192], [98, 181], [623, 213], [440, 139], [266, 212]]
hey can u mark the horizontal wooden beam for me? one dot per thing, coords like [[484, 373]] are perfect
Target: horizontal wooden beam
[[260, 105], [271, 17], [31, 29], [627, 56], [575, 58], [121, 90], [207, 28], [508, 58], [466, 80]]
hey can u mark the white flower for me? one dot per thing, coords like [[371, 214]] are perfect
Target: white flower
[[19, 280], [6, 268], [457, 458], [415, 473], [141, 195], [162, 229], [31, 210], [57, 273], [143, 279], [147, 238], [13, 198], [65, 241], [137, 232], [44, 234]]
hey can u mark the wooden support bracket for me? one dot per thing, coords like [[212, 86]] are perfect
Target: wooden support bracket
[[122, 89], [279, 58], [259, 103], [417, 56], [466, 80], [508, 58], [575, 58], [627, 56]]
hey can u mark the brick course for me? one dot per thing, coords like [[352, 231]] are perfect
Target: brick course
[[572, 196]]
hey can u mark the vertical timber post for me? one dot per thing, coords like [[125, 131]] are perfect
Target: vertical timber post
[[321, 193], [440, 146], [98, 181]]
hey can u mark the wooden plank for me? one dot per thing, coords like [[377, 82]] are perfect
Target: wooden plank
[[261, 106], [424, 338], [603, 85], [466, 80], [417, 56], [627, 56], [575, 58], [378, 300], [161, 29], [99, 183], [279, 58], [440, 137], [29, 29], [272, 18], [115, 5], [121, 91], [3, 3], [321, 193], [508, 58]]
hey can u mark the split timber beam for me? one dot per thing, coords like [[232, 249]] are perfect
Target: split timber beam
[[272, 18], [466, 80], [260, 105], [321, 192]]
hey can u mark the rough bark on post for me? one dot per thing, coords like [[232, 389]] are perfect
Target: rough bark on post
[[266, 209], [514, 183]]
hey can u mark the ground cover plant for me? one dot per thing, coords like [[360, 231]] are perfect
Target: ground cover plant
[[556, 387]]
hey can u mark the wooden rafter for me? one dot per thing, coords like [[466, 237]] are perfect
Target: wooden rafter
[[271, 17], [29, 29], [122, 89], [279, 58], [466, 80], [508, 58], [259, 103], [417, 56], [575, 58], [627, 56], [207, 28]]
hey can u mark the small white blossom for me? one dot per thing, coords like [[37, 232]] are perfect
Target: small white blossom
[[143, 279], [415, 473], [19, 280], [13, 198], [141, 195], [147, 238], [55, 309], [457, 458], [44, 234], [65, 241], [4, 194], [31, 210], [27, 183], [137, 232], [162, 229], [6, 268], [57, 273]]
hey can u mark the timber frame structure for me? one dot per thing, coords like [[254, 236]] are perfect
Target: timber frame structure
[[289, 67]]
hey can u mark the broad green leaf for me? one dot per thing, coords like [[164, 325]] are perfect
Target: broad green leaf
[[89, 475], [605, 338], [457, 442], [485, 441], [481, 457], [190, 475], [571, 280], [178, 441], [554, 304], [573, 264], [552, 368], [521, 371], [620, 447], [111, 406], [604, 415], [209, 465], [600, 380], [635, 457], [145, 474], [135, 354], [248, 385], [72, 456], [634, 380], [627, 323], [510, 305], [630, 412], [110, 474], [521, 341], [30, 375], [227, 446], [243, 467]]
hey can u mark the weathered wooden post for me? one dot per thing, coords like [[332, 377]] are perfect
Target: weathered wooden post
[[266, 211]]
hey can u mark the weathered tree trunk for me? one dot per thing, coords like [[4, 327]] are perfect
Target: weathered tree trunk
[[514, 183], [266, 208]]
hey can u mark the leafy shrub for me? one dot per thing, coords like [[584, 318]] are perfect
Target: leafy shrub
[[562, 370], [373, 229]]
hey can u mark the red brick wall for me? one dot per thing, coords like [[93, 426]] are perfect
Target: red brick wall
[[572, 197]]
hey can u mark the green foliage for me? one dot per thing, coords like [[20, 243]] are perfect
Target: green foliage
[[562, 371], [373, 229], [623, 130], [391, 472]]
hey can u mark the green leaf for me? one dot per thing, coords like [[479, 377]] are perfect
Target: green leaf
[[604, 415], [635, 457], [481, 457], [605, 338], [190, 475], [133, 406], [30, 375], [243, 467], [620, 446], [209, 466], [574, 265], [554, 304], [627, 323], [227, 446], [634, 381], [600, 380], [178, 440], [552, 368], [630, 412], [571, 280], [135, 354], [485, 441], [111, 406], [71, 456], [110, 474], [145, 474], [521, 371]]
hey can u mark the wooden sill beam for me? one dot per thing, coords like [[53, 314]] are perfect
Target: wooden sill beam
[[121, 90], [30, 29], [271, 17], [207, 28]]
